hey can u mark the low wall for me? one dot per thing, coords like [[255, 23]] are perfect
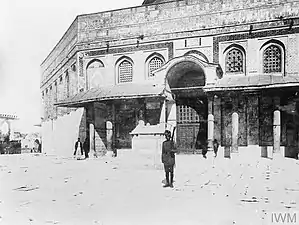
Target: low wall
[[59, 136]]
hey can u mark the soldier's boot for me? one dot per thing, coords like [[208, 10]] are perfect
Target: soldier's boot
[[167, 180], [171, 180]]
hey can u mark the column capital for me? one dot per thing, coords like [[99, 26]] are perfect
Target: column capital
[[276, 101], [235, 103], [211, 104], [210, 96]]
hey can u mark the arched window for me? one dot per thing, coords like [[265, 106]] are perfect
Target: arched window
[[55, 91], [95, 73], [234, 61], [67, 80], [154, 63], [74, 68], [125, 72], [272, 59]]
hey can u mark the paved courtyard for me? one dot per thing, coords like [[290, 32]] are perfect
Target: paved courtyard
[[44, 189]]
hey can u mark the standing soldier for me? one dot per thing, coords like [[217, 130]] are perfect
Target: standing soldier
[[168, 158]]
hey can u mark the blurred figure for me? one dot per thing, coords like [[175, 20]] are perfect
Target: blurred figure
[[204, 145], [86, 147], [215, 146], [78, 146]]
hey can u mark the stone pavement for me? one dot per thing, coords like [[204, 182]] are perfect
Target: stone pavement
[[40, 189]]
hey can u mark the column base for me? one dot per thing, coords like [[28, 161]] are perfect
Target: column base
[[279, 154]]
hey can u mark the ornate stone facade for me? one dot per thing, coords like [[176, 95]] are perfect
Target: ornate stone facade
[[226, 60]]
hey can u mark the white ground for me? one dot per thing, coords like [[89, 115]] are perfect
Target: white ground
[[41, 189]]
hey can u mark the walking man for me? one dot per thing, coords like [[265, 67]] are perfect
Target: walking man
[[168, 158], [215, 147]]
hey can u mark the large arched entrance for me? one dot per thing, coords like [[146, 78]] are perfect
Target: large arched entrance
[[186, 80]]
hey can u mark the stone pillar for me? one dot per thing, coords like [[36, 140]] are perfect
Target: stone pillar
[[276, 126], [109, 135], [171, 116], [163, 114], [235, 131], [210, 131], [210, 122], [92, 139], [235, 125], [264, 151], [226, 152], [113, 128]]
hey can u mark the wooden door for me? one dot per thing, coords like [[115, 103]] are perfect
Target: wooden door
[[190, 129], [291, 149]]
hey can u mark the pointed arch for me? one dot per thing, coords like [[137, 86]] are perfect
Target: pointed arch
[[235, 59], [95, 63], [124, 69], [197, 53], [153, 61], [273, 57], [95, 73]]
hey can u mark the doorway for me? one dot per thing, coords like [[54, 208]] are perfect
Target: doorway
[[191, 124], [186, 80]]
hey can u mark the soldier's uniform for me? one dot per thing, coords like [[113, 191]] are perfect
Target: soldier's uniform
[[168, 159]]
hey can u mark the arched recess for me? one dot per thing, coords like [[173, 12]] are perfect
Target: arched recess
[[186, 78], [153, 62], [235, 59], [124, 70], [186, 74], [198, 54], [95, 73], [273, 56]]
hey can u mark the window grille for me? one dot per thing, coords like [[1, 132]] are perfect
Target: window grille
[[272, 59], [234, 61], [154, 64], [125, 72], [187, 115]]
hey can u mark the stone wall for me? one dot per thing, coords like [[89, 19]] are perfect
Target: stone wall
[[179, 16], [253, 46], [60, 53], [58, 89], [59, 135], [159, 22]]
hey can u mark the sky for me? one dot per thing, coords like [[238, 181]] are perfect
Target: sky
[[29, 30]]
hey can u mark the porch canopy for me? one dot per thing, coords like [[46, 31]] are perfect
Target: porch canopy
[[253, 82], [112, 92]]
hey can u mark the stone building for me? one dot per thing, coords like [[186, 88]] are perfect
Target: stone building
[[225, 70]]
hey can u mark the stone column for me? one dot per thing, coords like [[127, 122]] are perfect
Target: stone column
[[264, 151], [113, 128], [91, 139], [276, 126], [210, 122], [109, 135], [163, 114], [235, 125]]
